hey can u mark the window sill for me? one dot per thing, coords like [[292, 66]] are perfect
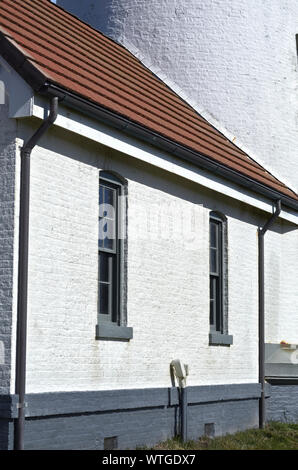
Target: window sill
[[112, 332], [220, 339]]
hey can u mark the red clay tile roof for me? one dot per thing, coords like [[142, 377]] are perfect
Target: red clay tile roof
[[75, 56]]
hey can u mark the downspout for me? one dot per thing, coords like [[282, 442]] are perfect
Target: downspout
[[21, 339], [261, 234]]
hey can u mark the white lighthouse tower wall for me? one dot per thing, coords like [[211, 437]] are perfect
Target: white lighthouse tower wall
[[236, 59]]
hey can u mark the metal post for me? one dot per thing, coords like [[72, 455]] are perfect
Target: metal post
[[184, 407], [261, 234]]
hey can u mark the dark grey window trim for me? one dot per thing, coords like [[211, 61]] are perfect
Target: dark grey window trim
[[220, 339], [219, 330], [111, 331], [115, 327], [216, 273]]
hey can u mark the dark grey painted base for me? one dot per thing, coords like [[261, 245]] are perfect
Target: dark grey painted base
[[141, 417], [8, 408], [283, 402]]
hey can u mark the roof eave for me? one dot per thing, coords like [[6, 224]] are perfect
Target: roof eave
[[133, 129], [20, 63]]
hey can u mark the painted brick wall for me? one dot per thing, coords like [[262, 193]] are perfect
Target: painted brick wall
[[7, 214], [288, 315], [168, 284], [281, 271], [235, 60], [137, 426], [282, 405]]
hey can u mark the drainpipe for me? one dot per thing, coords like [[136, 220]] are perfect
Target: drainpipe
[[20, 385], [261, 234]]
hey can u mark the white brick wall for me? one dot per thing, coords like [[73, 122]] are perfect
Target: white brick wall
[[7, 214], [168, 285], [288, 314], [281, 261]]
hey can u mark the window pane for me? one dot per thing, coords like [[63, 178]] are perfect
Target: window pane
[[213, 234], [211, 312], [104, 298], [109, 198], [212, 289], [216, 274], [108, 243], [104, 267], [107, 222], [213, 261], [213, 303], [100, 194], [101, 231], [106, 234], [218, 307]]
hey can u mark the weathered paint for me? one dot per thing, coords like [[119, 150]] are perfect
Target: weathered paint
[[283, 403]]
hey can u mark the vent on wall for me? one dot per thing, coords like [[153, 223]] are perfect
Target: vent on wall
[[209, 429], [110, 443]]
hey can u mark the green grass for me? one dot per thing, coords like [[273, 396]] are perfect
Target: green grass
[[276, 436]]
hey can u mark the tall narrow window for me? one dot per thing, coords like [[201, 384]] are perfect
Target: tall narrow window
[[111, 278], [218, 280], [216, 274], [108, 251]]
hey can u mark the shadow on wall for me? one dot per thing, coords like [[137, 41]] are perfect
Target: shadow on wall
[[82, 150]]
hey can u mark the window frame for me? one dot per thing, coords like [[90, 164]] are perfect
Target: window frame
[[113, 256], [218, 328], [216, 277], [112, 326]]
